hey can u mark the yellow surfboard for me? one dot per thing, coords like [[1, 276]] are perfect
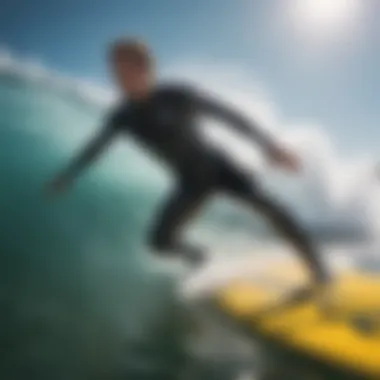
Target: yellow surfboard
[[349, 338]]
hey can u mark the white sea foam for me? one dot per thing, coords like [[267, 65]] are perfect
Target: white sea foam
[[35, 71]]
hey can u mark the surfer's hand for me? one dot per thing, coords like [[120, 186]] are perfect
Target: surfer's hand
[[284, 158], [57, 186]]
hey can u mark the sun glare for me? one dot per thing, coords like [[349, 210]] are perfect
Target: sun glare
[[325, 18]]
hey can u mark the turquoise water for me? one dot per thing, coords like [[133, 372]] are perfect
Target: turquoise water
[[76, 296]]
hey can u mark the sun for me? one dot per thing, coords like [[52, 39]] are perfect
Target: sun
[[325, 18]]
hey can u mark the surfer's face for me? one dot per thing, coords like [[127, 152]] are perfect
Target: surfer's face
[[134, 79]]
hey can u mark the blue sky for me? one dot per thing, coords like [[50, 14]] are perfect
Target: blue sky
[[315, 68]]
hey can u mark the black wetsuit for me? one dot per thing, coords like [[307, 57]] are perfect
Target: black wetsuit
[[166, 124]]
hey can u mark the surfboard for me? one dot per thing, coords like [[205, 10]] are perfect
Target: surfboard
[[348, 338]]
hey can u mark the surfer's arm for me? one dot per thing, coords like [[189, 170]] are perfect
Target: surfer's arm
[[218, 110], [88, 154], [273, 150]]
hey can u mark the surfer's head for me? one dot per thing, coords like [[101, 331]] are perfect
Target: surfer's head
[[132, 64]]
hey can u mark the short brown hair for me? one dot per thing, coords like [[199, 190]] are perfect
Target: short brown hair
[[132, 49]]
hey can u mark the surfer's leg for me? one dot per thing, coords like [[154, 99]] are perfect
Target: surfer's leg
[[175, 213], [284, 222]]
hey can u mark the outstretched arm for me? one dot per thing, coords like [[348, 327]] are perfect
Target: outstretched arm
[[273, 150], [212, 107], [90, 152]]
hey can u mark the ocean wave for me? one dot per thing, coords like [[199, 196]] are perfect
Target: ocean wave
[[35, 72]]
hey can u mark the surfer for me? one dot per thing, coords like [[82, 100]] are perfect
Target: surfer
[[163, 118]]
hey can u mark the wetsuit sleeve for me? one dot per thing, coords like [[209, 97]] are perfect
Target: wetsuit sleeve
[[209, 106], [91, 151]]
